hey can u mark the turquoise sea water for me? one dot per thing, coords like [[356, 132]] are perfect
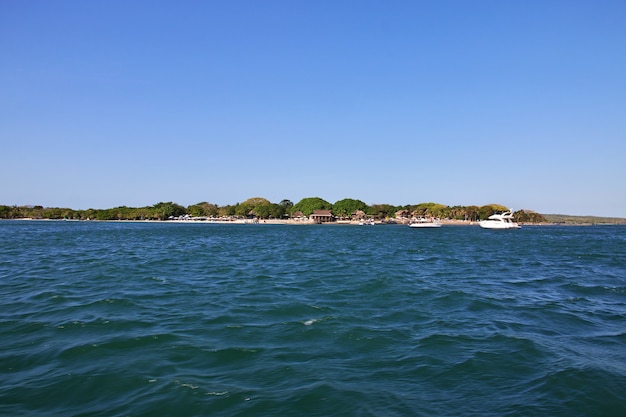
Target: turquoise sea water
[[169, 319]]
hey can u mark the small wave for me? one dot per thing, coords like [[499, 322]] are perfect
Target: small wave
[[581, 391]]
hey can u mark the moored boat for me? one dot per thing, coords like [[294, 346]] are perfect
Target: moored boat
[[422, 223], [499, 221]]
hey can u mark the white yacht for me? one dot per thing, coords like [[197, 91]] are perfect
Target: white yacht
[[423, 223], [499, 221]]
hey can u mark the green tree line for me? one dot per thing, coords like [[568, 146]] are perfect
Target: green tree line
[[258, 207]]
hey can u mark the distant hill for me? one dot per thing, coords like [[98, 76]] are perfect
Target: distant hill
[[567, 219]]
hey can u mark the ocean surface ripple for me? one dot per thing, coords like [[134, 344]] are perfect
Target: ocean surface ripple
[[188, 319]]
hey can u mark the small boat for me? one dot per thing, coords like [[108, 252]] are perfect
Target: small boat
[[499, 221], [422, 223]]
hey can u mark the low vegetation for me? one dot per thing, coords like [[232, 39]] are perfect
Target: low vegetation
[[566, 219]]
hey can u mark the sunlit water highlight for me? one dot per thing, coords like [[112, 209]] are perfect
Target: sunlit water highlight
[[138, 319]]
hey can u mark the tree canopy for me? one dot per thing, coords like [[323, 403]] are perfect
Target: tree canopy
[[347, 206], [262, 208], [308, 205]]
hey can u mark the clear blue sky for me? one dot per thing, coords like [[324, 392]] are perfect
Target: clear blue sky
[[109, 103]]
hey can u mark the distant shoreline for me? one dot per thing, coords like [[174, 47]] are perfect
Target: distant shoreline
[[306, 222]]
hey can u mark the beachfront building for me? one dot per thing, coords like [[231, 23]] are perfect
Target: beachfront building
[[358, 215], [403, 214], [299, 216], [322, 216]]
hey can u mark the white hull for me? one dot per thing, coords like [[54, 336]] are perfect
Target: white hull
[[425, 225], [491, 224], [499, 221]]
